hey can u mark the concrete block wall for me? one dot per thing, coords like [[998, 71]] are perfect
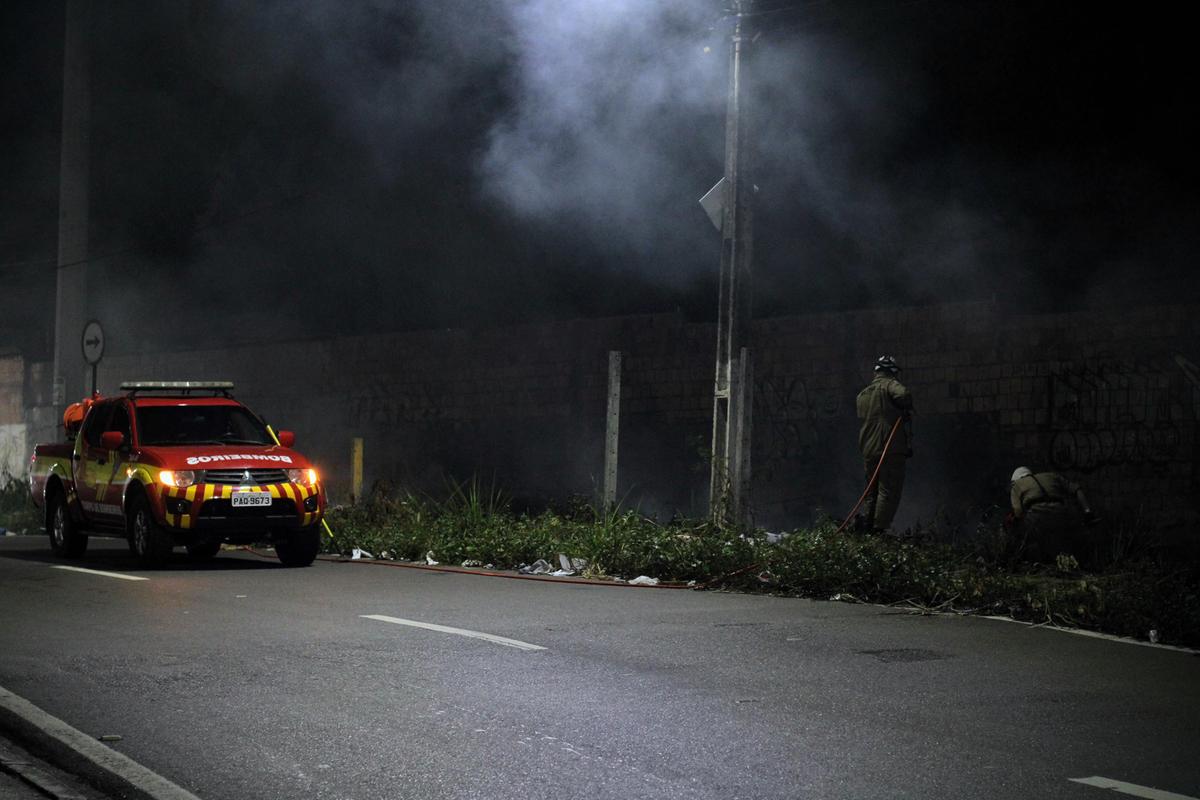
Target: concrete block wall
[[13, 449], [1110, 398]]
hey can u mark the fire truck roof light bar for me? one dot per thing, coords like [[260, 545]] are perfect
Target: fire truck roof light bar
[[178, 387]]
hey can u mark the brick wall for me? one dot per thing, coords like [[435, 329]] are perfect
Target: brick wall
[[1112, 399]]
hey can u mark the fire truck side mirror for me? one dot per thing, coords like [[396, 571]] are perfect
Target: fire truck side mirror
[[287, 439], [112, 440]]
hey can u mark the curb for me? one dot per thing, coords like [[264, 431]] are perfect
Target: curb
[[78, 753], [1108, 637]]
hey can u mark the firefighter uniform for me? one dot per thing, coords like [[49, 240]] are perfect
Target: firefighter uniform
[[1050, 512], [884, 400]]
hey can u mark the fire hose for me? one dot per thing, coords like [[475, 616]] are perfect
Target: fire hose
[[874, 476], [870, 485]]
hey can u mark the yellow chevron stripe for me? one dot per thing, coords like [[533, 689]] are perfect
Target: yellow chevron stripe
[[289, 490], [186, 521], [208, 491], [170, 519], [190, 494], [274, 490]]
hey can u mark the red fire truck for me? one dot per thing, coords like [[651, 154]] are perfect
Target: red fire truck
[[176, 463]]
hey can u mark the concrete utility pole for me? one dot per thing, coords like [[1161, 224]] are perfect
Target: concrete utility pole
[[70, 312], [732, 391]]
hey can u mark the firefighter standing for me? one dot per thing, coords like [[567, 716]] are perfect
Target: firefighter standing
[[1049, 513], [883, 402]]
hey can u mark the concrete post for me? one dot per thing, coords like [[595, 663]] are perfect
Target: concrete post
[[739, 478], [611, 430]]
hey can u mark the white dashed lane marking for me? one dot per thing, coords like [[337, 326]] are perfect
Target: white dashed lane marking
[[1131, 789], [101, 572], [487, 637]]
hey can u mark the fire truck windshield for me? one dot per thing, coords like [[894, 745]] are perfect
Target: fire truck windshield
[[199, 424]]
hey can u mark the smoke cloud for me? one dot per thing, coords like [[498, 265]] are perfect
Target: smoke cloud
[[471, 162], [615, 106]]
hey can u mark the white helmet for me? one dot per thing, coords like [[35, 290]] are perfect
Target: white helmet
[[887, 364], [1021, 472]]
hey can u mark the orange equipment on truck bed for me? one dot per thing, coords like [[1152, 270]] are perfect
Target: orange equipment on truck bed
[[73, 416]]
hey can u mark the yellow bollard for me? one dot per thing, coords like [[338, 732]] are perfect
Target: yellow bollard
[[356, 468]]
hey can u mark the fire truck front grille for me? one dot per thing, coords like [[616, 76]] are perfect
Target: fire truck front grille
[[236, 477]]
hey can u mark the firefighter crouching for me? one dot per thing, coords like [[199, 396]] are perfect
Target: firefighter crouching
[[1049, 514], [884, 401]]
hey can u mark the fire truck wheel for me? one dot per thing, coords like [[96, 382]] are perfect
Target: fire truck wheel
[[203, 551], [65, 538], [149, 543], [300, 549]]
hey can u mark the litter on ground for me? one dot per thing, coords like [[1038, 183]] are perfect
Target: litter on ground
[[539, 567]]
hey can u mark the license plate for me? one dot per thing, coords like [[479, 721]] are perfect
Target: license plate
[[245, 499]]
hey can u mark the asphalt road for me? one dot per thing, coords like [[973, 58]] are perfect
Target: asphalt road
[[243, 679]]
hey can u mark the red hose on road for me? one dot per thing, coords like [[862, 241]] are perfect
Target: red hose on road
[[489, 573], [874, 476]]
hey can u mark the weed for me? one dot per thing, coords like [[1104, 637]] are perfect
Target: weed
[[17, 512]]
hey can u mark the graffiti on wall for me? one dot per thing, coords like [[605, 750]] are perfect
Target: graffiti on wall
[[788, 422], [1117, 413], [380, 404]]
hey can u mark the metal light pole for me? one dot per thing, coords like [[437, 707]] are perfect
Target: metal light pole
[[70, 309], [733, 384]]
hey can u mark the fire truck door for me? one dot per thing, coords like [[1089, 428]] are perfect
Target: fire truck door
[[91, 459], [110, 486]]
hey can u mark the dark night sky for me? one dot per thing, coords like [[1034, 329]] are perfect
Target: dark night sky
[[303, 169]]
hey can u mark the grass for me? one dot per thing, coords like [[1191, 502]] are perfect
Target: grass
[[17, 512], [473, 523]]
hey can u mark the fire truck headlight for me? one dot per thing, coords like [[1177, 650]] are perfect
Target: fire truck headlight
[[179, 479], [306, 476]]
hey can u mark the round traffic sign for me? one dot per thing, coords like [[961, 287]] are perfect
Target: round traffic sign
[[93, 342]]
